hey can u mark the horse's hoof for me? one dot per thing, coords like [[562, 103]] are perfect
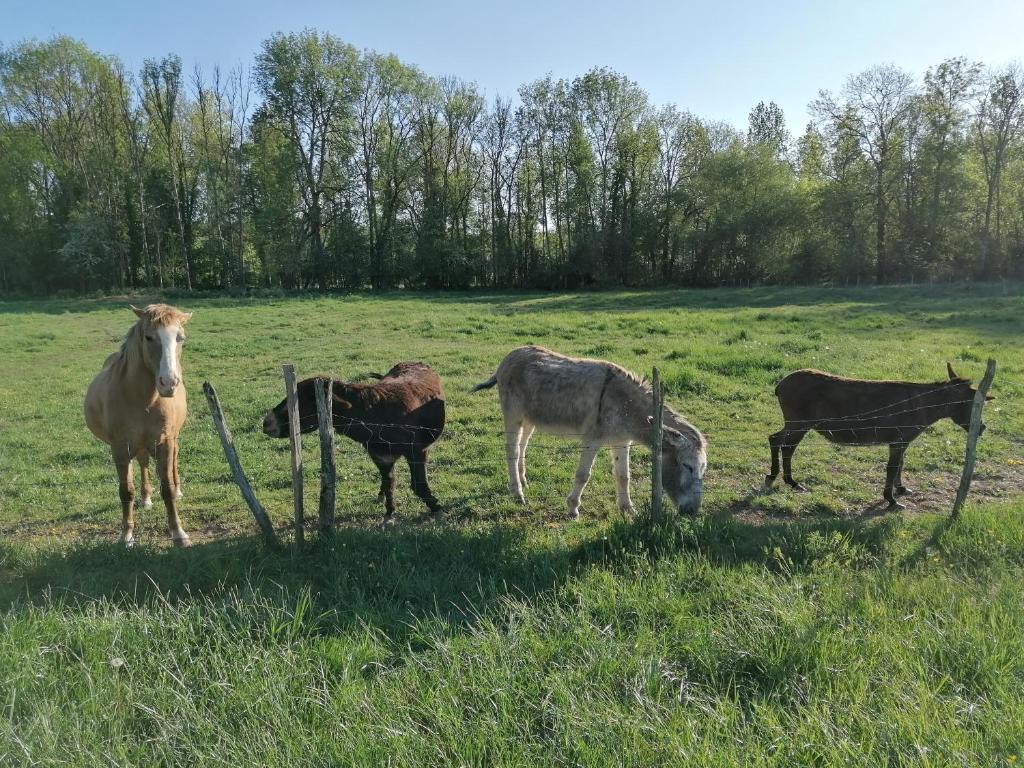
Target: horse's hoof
[[520, 499], [179, 495], [769, 481], [380, 498], [904, 491], [182, 541], [437, 516], [629, 511], [796, 486], [147, 503], [389, 521], [128, 541], [895, 505]]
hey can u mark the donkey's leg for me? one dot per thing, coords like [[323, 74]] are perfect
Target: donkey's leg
[[620, 468], [896, 451], [418, 469], [582, 476], [165, 455], [790, 440], [775, 443], [147, 486], [126, 490], [528, 430], [386, 466], [901, 489], [513, 436]]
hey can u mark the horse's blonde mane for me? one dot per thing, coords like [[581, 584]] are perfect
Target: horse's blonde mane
[[152, 315]]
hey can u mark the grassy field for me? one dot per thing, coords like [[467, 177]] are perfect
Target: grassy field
[[776, 628]]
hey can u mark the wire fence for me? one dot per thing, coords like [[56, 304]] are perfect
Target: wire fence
[[479, 451]]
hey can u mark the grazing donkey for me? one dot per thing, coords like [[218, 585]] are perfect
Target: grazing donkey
[[859, 412], [136, 404], [604, 405], [401, 415]]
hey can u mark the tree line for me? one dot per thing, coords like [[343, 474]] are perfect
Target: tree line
[[322, 166]]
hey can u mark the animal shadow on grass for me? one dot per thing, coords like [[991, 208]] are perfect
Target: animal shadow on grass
[[390, 579]]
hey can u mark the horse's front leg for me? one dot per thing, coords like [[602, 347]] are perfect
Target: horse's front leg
[[147, 486], [126, 490], [166, 456], [582, 476], [177, 476], [620, 468]]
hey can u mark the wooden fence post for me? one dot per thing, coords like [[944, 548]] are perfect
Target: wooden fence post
[[972, 438], [295, 437], [328, 474], [258, 512], [656, 438]]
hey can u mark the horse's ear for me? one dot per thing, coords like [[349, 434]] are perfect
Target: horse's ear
[[341, 402], [185, 317], [951, 372], [138, 312]]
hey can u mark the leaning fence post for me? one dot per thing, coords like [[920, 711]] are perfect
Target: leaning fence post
[[295, 438], [972, 438], [258, 512], [656, 438], [328, 474]]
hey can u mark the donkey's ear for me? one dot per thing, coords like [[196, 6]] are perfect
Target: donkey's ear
[[341, 402], [673, 436], [951, 372], [138, 312]]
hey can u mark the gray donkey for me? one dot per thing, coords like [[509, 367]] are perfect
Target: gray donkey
[[602, 404]]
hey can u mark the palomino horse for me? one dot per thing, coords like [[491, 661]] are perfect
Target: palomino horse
[[602, 404], [136, 404]]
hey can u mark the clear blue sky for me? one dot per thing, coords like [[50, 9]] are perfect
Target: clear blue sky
[[717, 59]]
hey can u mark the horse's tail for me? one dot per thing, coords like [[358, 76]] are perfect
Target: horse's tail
[[485, 384]]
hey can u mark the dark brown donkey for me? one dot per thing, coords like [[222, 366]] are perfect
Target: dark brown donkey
[[859, 412], [401, 415]]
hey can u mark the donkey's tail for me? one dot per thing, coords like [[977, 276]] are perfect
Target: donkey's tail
[[485, 384]]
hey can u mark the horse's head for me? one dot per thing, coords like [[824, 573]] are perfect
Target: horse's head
[[961, 399], [684, 461], [161, 329]]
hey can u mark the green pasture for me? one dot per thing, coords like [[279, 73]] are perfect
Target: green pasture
[[776, 628]]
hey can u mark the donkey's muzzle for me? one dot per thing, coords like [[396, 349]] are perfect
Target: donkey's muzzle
[[272, 426]]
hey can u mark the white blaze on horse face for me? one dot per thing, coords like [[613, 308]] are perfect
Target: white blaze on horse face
[[169, 376]]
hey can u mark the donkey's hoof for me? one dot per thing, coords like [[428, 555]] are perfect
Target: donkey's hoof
[[902, 490]]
